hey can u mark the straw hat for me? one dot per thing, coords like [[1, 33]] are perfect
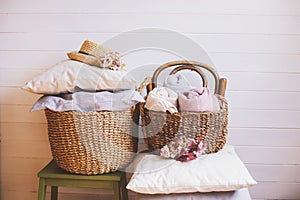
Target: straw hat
[[98, 55]]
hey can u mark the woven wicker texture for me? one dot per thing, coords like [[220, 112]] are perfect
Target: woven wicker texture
[[160, 128], [94, 142]]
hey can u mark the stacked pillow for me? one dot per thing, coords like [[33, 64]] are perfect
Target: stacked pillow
[[71, 76], [90, 80]]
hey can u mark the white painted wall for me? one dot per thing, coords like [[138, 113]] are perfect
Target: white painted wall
[[254, 43]]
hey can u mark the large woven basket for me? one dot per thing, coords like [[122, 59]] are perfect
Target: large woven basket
[[94, 142], [160, 128]]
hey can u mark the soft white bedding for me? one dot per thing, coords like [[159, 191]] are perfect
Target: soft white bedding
[[241, 194], [218, 172]]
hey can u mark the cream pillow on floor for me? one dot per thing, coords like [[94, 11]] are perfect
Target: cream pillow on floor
[[222, 171], [69, 75]]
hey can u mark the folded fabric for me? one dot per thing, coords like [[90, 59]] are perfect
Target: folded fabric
[[198, 99], [162, 99], [88, 101], [177, 82]]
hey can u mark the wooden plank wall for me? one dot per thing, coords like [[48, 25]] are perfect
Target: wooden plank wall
[[254, 43]]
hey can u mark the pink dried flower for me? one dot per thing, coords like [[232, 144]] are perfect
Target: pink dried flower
[[165, 152], [183, 150]]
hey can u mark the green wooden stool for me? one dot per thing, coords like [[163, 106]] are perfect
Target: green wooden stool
[[54, 176]]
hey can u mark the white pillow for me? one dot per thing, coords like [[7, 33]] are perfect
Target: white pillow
[[222, 171], [69, 75]]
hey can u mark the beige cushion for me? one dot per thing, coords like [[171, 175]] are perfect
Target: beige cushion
[[222, 171], [70, 75]]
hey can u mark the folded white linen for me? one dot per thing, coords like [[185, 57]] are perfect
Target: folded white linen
[[240, 194], [89, 101], [177, 82], [54, 103], [162, 99], [198, 99]]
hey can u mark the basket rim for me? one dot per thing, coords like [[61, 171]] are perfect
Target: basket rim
[[92, 111]]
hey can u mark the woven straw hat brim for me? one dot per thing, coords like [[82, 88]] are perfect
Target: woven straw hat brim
[[91, 60]]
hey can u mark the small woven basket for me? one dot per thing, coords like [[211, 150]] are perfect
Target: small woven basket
[[160, 128], [94, 142]]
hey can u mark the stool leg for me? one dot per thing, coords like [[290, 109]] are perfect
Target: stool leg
[[123, 187], [54, 191], [42, 189], [116, 188]]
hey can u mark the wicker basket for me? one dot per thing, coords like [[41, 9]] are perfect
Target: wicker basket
[[94, 142], [160, 128]]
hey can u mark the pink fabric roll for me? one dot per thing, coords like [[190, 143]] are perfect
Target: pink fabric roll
[[198, 99]]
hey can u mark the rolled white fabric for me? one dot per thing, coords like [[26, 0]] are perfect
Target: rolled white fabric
[[177, 82], [162, 99]]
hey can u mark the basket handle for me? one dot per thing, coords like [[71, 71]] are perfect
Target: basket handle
[[135, 110], [144, 84], [183, 63], [192, 68]]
